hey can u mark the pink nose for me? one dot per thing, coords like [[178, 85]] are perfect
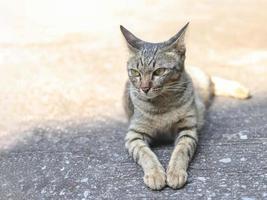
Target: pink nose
[[145, 89]]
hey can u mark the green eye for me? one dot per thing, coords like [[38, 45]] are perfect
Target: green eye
[[134, 72], [159, 72]]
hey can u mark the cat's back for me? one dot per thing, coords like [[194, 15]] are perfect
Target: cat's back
[[203, 85]]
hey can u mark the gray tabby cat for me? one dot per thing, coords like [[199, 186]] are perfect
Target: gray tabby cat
[[163, 104]]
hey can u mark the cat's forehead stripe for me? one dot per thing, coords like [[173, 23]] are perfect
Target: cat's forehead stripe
[[141, 61], [153, 56], [148, 54]]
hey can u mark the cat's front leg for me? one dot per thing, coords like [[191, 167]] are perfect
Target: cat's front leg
[[137, 146], [185, 146]]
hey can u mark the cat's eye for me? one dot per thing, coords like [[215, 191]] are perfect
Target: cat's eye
[[159, 72], [134, 72]]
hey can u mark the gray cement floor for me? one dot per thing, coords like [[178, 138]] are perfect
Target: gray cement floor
[[56, 69], [88, 160]]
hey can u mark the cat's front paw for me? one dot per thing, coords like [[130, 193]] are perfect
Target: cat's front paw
[[155, 179], [176, 178]]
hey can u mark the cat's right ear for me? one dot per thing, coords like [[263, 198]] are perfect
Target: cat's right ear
[[134, 43], [177, 41]]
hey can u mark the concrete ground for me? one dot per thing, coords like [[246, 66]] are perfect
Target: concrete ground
[[88, 160], [62, 72]]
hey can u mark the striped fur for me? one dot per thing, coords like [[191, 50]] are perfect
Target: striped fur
[[171, 110]]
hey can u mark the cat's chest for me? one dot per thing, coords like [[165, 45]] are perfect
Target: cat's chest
[[164, 119], [157, 124]]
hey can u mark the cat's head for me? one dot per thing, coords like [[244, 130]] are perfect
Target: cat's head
[[155, 68]]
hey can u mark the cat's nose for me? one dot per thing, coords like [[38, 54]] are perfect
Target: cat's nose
[[145, 89]]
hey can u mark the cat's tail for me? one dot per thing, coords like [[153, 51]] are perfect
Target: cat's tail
[[209, 86], [229, 88]]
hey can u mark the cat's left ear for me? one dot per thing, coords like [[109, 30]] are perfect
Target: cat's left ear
[[177, 41], [134, 43]]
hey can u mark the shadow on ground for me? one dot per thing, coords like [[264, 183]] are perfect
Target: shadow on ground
[[87, 160]]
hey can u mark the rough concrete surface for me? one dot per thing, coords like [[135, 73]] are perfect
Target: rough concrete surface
[[88, 160], [62, 72]]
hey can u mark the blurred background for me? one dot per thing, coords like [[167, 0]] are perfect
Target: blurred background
[[65, 60]]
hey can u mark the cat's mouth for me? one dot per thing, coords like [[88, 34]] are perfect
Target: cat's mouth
[[152, 93], [157, 89]]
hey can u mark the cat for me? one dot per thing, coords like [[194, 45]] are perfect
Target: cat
[[166, 102]]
